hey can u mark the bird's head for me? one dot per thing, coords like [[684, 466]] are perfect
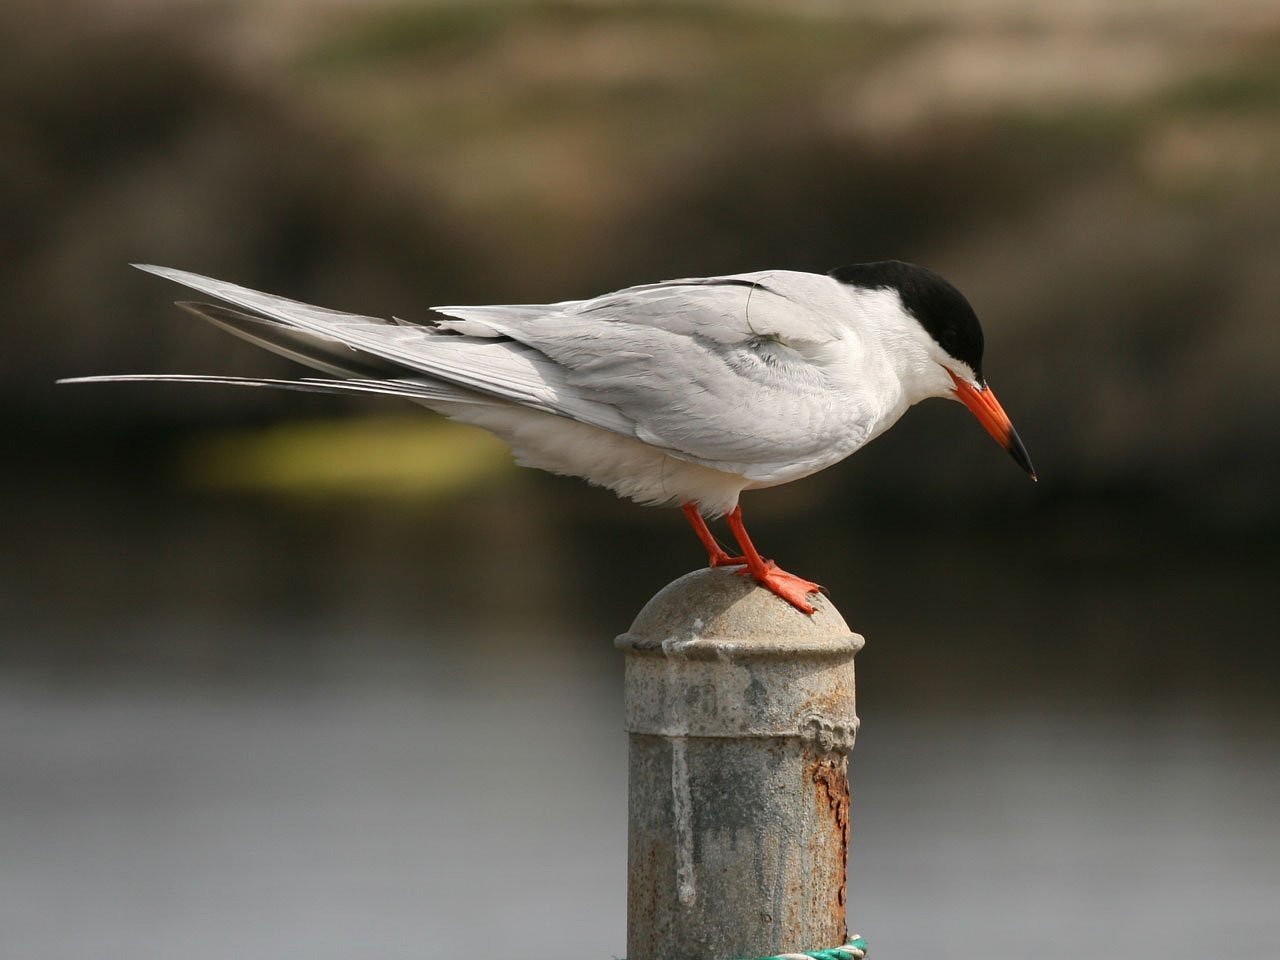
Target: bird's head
[[938, 328]]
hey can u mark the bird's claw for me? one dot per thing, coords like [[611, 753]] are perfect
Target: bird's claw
[[795, 590]]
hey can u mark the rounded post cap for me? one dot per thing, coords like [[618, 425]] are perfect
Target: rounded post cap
[[715, 613]]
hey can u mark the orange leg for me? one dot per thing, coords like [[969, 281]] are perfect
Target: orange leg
[[768, 574], [715, 553]]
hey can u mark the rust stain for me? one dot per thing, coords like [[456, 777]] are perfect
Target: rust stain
[[831, 777]]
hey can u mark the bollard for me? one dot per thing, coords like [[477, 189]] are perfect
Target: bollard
[[740, 717]]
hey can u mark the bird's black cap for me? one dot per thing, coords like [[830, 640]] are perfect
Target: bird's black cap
[[938, 306]]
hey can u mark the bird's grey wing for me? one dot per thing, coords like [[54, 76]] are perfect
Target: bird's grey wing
[[790, 306], [727, 372], [504, 369], [323, 353]]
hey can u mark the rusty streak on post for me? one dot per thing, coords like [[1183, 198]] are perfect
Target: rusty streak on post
[[740, 712], [832, 779]]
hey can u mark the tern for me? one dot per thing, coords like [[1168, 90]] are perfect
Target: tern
[[681, 393]]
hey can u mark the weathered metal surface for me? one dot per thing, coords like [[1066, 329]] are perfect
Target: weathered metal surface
[[741, 714]]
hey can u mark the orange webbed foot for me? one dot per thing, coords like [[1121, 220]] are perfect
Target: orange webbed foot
[[795, 590]]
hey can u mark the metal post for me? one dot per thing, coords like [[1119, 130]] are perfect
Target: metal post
[[740, 714]]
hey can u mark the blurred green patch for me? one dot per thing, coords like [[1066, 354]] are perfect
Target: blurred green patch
[[452, 30], [412, 30], [407, 457], [1205, 136], [1248, 86]]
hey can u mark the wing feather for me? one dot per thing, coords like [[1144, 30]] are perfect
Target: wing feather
[[323, 353], [421, 390], [503, 368], [729, 372]]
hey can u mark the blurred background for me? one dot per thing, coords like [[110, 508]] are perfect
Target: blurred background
[[295, 676]]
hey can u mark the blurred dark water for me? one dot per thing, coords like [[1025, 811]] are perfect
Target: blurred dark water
[[239, 727], [397, 809], [1112, 597]]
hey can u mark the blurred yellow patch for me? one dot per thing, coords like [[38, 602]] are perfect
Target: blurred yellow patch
[[400, 457]]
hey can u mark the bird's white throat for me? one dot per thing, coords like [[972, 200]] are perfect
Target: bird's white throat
[[897, 348]]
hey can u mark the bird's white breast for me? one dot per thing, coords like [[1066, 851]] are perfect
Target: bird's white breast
[[627, 466]]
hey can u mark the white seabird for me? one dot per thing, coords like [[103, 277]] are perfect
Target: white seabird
[[685, 392]]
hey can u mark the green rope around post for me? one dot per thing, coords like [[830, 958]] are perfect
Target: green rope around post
[[855, 949]]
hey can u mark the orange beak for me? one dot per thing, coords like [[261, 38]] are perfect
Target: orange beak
[[982, 403]]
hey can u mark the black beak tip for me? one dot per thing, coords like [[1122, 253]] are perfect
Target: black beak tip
[[1018, 451]]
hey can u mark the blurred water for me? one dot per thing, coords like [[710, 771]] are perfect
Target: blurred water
[[240, 728], [390, 816], [397, 810]]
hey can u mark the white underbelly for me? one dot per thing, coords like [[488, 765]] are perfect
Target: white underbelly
[[624, 465], [637, 470]]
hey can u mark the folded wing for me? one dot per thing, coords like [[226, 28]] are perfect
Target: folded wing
[[729, 372]]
